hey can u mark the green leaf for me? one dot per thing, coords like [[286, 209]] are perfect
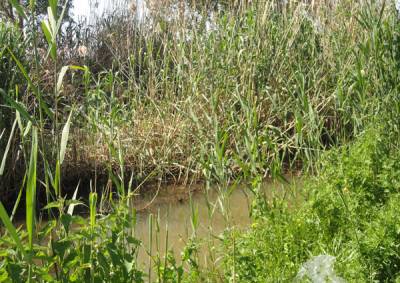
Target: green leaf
[[32, 4], [3, 162], [31, 189], [56, 181], [10, 228], [19, 8], [53, 5], [31, 85], [27, 129], [17, 201], [80, 68], [54, 204], [103, 262], [61, 77], [49, 38], [66, 220], [15, 271], [72, 205], [17, 106], [19, 121], [60, 19], [53, 24], [46, 30], [92, 206], [60, 247], [64, 138], [47, 229]]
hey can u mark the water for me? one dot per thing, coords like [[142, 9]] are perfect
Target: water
[[173, 211]]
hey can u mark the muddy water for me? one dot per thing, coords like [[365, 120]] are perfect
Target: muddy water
[[173, 217], [172, 208]]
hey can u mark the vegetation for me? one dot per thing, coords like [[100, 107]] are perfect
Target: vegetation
[[349, 211], [230, 94]]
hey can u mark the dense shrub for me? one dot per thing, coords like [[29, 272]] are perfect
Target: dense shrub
[[350, 212]]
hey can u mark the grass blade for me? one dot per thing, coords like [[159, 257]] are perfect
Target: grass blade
[[47, 33], [72, 205], [64, 138], [17, 106], [31, 85], [61, 77], [10, 228], [3, 162], [92, 206], [31, 189]]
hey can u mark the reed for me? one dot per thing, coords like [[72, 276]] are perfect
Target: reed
[[230, 94]]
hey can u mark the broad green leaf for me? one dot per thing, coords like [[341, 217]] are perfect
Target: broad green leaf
[[66, 220], [46, 30], [60, 247], [64, 138]]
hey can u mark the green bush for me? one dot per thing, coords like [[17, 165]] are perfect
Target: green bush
[[350, 212]]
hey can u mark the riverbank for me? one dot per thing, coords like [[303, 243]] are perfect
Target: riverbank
[[264, 90], [269, 89], [349, 214]]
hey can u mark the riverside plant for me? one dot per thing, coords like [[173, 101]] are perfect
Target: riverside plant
[[266, 90], [282, 90], [285, 85]]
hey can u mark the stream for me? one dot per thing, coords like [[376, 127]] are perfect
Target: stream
[[173, 216]]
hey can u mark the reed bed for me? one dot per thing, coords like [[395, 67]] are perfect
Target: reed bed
[[226, 93]]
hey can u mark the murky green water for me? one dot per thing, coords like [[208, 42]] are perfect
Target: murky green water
[[216, 212]]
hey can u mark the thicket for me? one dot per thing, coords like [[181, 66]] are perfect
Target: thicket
[[254, 84], [348, 211], [228, 95]]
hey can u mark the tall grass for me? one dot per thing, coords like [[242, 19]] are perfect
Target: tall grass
[[263, 88], [266, 89]]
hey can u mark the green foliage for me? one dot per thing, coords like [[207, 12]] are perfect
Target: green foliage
[[101, 251], [350, 212], [265, 89]]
